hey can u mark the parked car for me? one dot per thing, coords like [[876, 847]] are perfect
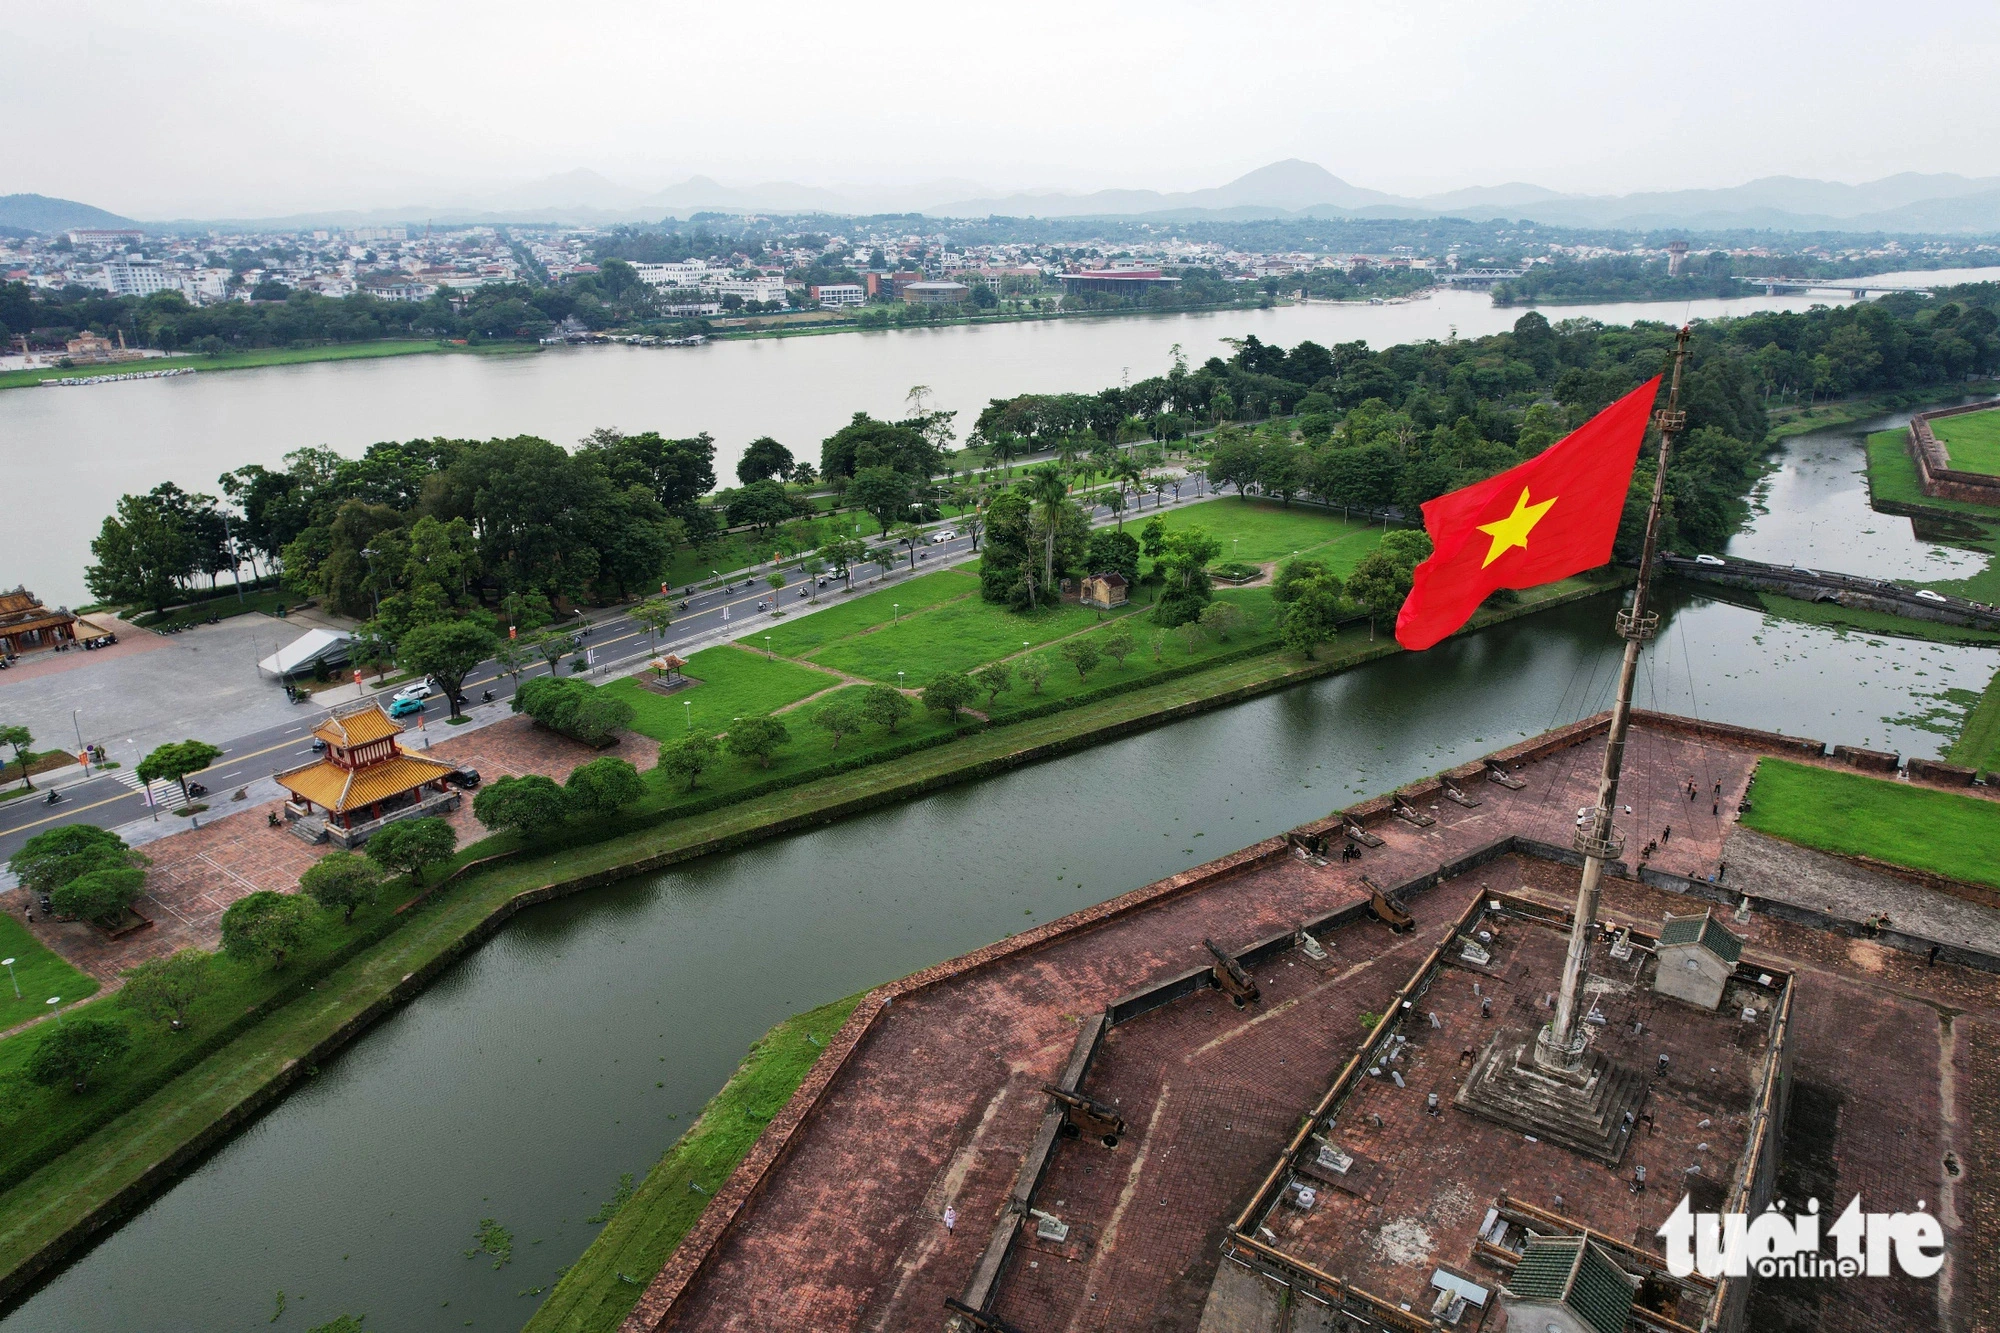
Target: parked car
[[1708, 560], [420, 690], [1927, 595], [465, 779], [942, 536], [401, 707]]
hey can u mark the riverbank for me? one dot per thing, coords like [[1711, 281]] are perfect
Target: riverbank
[[118, 1166], [256, 358], [1788, 421]]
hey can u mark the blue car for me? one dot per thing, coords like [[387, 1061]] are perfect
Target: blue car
[[401, 708]]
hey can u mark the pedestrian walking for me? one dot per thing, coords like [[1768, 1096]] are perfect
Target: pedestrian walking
[[1668, 835], [950, 1219]]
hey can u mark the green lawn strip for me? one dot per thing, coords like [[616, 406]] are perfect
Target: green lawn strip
[[1978, 743], [600, 1288], [1892, 476], [178, 1094], [267, 600], [955, 636], [861, 613], [1174, 656], [1971, 441], [39, 973], [1255, 531], [245, 360], [1853, 815], [734, 684], [1870, 622]]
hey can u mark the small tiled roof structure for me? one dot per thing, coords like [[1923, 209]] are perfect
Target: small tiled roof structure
[[1706, 931], [1111, 580], [358, 727], [1572, 1271], [362, 764], [22, 613]]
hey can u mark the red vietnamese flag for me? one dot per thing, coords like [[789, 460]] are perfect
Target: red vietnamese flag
[[1546, 519]]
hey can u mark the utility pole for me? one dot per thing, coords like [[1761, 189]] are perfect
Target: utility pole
[[1560, 1044]]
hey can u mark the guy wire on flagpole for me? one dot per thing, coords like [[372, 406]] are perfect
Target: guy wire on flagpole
[[1560, 1045]]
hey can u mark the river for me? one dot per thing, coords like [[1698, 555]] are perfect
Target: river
[[579, 1042], [72, 452]]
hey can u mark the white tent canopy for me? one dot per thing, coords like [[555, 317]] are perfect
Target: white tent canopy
[[315, 646]]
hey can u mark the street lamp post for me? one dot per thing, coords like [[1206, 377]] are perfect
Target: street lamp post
[[895, 613], [899, 680], [8, 963], [76, 722], [688, 704], [767, 647], [55, 1002]]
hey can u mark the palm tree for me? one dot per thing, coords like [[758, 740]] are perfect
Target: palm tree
[[1128, 472], [1048, 488], [1005, 447]]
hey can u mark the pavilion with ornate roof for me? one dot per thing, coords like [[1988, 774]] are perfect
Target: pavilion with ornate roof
[[363, 780]]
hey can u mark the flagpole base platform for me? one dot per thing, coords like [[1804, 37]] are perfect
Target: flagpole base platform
[[1638, 628], [1590, 1109]]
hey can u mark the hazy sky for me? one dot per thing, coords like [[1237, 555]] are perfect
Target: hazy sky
[[241, 107]]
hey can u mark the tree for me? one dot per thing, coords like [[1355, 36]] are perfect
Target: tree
[[1004, 447], [513, 656], [532, 804], [910, 536], [166, 988], [1235, 461], [1183, 566], [885, 707], [574, 708], [143, 550], [994, 679], [838, 717], [948, 692], [1379, 584], [1082, 654], [177, 761], [763, 505], [342, 881], [1048, 489], [604, 786], [757, 739], [447, 651], [1310, 612], [844, 553], [552, 646], [762, 458], [1034, 670], [19, 739], [1299, 571], [688, 759], [408, 845], [1223, 619], [656, 614], [1117, 643], [102, 894], [1113, 552], [264, 923], [59, 855], [883, 493], [776, 580], [73, 1051]]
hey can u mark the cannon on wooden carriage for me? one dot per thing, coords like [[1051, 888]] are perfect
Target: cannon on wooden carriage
[[1083, 1115], [1230, 978], [1388, 909]]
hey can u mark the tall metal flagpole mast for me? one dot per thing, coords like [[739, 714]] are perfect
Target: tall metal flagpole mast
[[1560, 1045]]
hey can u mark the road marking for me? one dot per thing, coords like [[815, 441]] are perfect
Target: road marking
[[79, 810]]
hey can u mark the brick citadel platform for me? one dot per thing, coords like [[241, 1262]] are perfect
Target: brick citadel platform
[[1839, 1058]]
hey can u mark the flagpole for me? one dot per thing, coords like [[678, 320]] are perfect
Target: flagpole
[[1560, 1045]]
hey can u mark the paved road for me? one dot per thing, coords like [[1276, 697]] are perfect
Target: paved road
[[111, 799]]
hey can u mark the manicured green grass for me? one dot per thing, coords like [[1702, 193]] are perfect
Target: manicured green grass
[[266, 600], [1852, 815], [1972, 441], [1871, 622], [602, 1286], [38, 971], [1892, 476], [1978, 745], [955, 636], [1255, 531], [800, 637], [734, 684], [246, 360]]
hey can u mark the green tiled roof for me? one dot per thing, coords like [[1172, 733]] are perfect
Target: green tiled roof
[[1704, 930], [1570, 1271]]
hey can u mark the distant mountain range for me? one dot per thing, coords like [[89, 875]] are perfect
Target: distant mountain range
[[1909, 202]]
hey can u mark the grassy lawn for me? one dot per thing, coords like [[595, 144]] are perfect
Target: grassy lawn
[[266, 600], [1892, 477], [733, 684], [1255, 531], [1849, 814], [599, 1290], [861, 613], [1978, 745], [1972, 441], [39, 972], [955, 636], [245, 360]]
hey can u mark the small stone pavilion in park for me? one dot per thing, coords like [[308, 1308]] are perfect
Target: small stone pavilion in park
[[362, 780], [25, 624]]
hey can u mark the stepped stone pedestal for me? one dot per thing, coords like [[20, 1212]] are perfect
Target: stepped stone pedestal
[[1589, 1110]]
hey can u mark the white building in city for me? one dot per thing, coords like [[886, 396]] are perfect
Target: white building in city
[[760, 288], [839, 293], [139, 277]]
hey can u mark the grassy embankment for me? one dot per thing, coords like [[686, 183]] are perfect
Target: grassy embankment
[[1978, 743], [1854, 815], [249, 359], [38, 974], [1794, 420], [599, 1289], [1972, 441], [1871, 622], [179, 1093]]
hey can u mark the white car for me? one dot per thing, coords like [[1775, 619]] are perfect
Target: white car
[[1708, 560], [420, 690], [942, 536], [1927, 595]]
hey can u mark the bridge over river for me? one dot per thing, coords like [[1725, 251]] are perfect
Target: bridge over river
[[1850, 590]]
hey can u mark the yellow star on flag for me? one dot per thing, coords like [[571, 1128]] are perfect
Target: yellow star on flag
[[1513, 530]]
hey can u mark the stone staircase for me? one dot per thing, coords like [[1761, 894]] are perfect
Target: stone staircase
[[1585, 1112]]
